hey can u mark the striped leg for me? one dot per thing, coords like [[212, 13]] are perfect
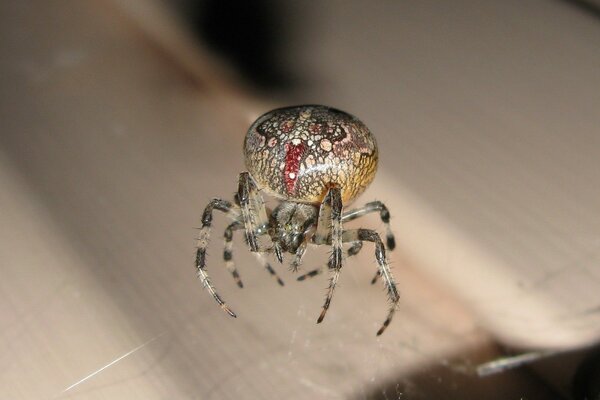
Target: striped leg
[[203, 239], [374, 206], [228, 253], [330, 215], [263, 260], [228, 256], [384, 269], [298, 256], [254, 213], [352, 251]]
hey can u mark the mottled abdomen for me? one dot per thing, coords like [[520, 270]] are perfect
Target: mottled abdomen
[[297, 153]]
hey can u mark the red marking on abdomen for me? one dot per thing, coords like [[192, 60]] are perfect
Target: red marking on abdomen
[[286, 127], [293, 155]]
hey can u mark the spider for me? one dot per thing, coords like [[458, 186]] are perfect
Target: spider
[[314, 160]]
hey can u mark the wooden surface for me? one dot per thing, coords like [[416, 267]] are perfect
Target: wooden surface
[[108, 154]]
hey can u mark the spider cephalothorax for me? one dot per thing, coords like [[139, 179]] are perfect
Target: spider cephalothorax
[[290, 222], [314, 160]]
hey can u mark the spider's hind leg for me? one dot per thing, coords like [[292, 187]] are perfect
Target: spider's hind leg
[[203, 239], [228, 252], [384, 214], [267, 266], [352, 251], [384, 269]]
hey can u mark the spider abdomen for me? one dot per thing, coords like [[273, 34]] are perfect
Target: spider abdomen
[[297, 153]]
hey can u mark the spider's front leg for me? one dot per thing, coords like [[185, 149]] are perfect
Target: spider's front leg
[[299, 255], [384, 269], [254, 215], [203, 239], [330, 220], [252, 206]]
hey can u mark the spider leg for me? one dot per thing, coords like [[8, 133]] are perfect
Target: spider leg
[[228, 256], [309, 227], [352, 251], [228, 253], [330, 215], [254, 212], [355, 248], [263, 260], [299, 255], [384, 269], [376, 277], [374, 206], [203, 239]]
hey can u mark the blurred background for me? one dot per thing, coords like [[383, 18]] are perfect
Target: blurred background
[[122, 119]]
